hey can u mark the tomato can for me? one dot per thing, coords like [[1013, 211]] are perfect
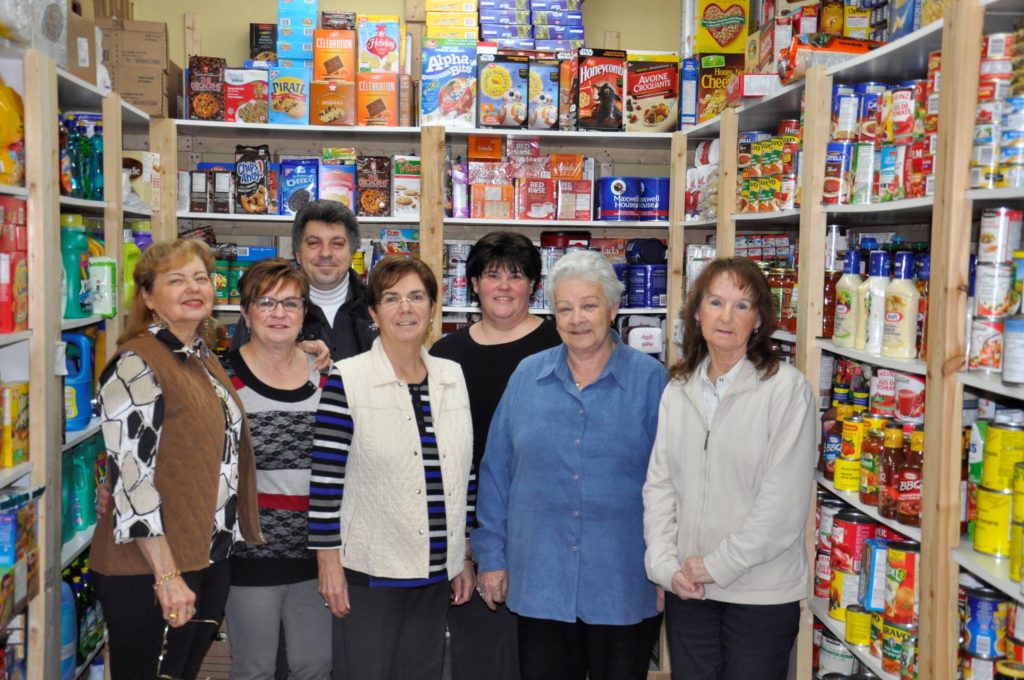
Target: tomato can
[[910, 392], [908, 659], [993, 88], [877, 624], [986, 347], [997, 46], [830, 507], [996, 67], [901, 583], [858, 626], [786, 195], [872, 575], [1014, 647], [834, 656], [999, 234], [842, 592], [992, 526], [993, 284], [984, 624], [822, 573], [976, 668], [1015, 620], [850, 529], [838, 156], [1004, 449], [894, 636], [934, 70], [901, 115]]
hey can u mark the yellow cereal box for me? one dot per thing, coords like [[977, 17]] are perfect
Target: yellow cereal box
[[451, 5], [464, 19], [14, 443], [457, 32], [722, 26]]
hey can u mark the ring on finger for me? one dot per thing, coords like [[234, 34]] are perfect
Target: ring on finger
[[173, 616]]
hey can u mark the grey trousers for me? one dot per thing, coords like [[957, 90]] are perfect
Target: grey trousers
[[255, 618]]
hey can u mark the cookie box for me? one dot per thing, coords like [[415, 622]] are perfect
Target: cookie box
[[377, 99], [556, 5], [448, 85], [206, 88], [379, 43], [334, 55], [246, 95], [602, 75], [252, 165], [373, 186], [332, 102], [298, 183], [516, 44], [295, 42], [263, 42], [405, 186], [337, 183], [543, 93], [516, 5], [491, 201], [289, 95], [501, 100]]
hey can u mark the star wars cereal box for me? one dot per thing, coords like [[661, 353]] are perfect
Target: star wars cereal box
[[557, 18], [332, 102], [501, 98], [334, 55], [377, 99], [543, 94], [379, 43], [245, 95], [517, 5], [714, 73], [251, 166], [499, 31], [556, 5], [289, 95], [568, 89], [602, 75], [652, 91], [448, 85], [298, 183], [206, 88], [722, 29], [535, 199], [504, 16], [405, 186], [373, 186]]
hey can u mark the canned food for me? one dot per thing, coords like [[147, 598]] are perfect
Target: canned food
[[862, 172], [834, 656], [901, 115], [992, 526], [786, 196], [983, 177], [1010, 177], [1004, 448], [934, 70], [846, 474], [894, 636], [1015, 620], [986, 348], [892, 166], [984, 624], [830, 507], [869, 117], [1014, 647], [992, 289], [908, 659], [997, 46], [996, 67], [877, 624], [846, 111], [901, 583], [1011, 138], [999, 234], [985, 153], [1013, 113], [789, 126], [976, 668], [1011, 154], [1013, 351], [993, 88], [1016, 536], [1009, 670], [858, 626], [985, 134], [842, 592], [822, 573], [838, 156], [1018, 492], [850, 529]]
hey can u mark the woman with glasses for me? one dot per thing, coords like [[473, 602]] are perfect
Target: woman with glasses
[[274, 586], [181, 472], [391, 492]]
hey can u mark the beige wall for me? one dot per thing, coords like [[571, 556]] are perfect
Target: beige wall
[[643, 24]]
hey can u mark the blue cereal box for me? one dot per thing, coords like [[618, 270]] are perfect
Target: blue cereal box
[[448, 86], [298, 183], [558, 32], [516, 43], [557, 45], [904, 18], [543, 94], [504, 16], [289, 95], [688, 93], [501, 100], [556, 5], [552, 18], [519, 5], [496, 31]]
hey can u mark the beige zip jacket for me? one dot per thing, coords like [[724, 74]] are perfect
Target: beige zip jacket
[[738, 492]]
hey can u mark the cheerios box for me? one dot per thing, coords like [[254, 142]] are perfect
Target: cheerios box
[[379, 43], [503, 86], [448, 83], [289, 95], [245, 95], [405, 186], [722, 31]]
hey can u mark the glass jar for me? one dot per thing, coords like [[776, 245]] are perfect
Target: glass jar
[[870, 459], [828, 304], [776, 282]]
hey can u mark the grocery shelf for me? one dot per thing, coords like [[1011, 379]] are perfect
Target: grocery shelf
[[10, 190], [990, 382], [12, 474], [83, 204], [76, 437], [476, 222], [12, 338], [710, 222], [137, 212], [617, 140], [899, 60], [225, 130], [285, 219], [83, 670], [784, 336], [819, 607], [765, 113], [70, 324], [907, 205], [914, 366], [992, 570], [988, 195], [74, 93], [854, 499], [133, 119], [779, 216], [709, 129], [76, 546]]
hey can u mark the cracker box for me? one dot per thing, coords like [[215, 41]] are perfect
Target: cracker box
[[451, 5], [377, 99], [379, 43], [557, 18], [337, 183], [405, 186], [491, 201], [294, 42], [652, 92], [505, 16], [575, 199], [297, 10], [715, 72], [501, 99], [535, 199], [334, 55], [263, 42], [452, 33], [543, 93], [602, 75], [448, 85], [463, 19], [298, 183], [206, 88], [332, 102], [373, 186], [568, 89], [289, 95], [246, 95], [722, 30], [498, 31]]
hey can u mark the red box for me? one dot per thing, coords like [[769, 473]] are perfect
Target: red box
[[575, 199], [535, 199], [245, 95], [491, 201], [489, 172], [532, 168], [12, 210]]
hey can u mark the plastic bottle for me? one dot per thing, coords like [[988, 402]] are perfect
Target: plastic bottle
[[67, 495], [85, 619], [95, 165], [908, 505], [130, 253], [847, 307], [888, 473], [74, 247], [878, 281], [90, 589], [899, 336], [103, 286], [828, 304], [97, 669], [143, 232], [78, 381], [66, 181], [867, 244], [74, 146], [68, 632], [83, 497]]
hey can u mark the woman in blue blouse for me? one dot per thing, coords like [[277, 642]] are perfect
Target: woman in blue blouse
[[560, 510]]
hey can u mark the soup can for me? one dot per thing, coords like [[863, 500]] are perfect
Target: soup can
[[834, 656], [822, 574], [976, 668], [1009, 670], [901, 583], [984, 623], [986, 345], [830, 507], [894, 636], [1004, 448], [993, 285], [908, 659], [619, 198], [838, 156], [877, 625], [992, 525], [999, 234], [842, 592], [997, 46], [850, 529], [1015, 620], [986, 177], [858, 626], [910, 397], [1014, 648]]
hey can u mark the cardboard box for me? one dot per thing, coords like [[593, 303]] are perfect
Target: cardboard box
[[48, 29], [492, 201], [119, 9], [715, 72], [263, 42], [332, 102], [81, 43], [465, 19], [145, 87], [722, 31], [134, 43], [772, 39], [377, 99], [334, 55]]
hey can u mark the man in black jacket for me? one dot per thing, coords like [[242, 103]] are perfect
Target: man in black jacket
[[324, 236]]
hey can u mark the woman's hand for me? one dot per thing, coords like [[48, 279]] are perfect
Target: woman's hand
[[659, 601], [493, 587], [177, 601], [685, 589], [319, 351], [333, 584], [462, 585], [103, 497], [695, 571]]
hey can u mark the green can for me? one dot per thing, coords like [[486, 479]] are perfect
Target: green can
[[220, 282]]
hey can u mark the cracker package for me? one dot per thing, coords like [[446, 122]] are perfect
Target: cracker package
[[373, 186], [263, 42], [252, 164], [501, 100], [379, 43], [337, 182], [448, 85], [405, 186], [652, 91], [245, 95], [492, 201], [289, 95], [722, 31], [575, 199], [602, 75], [377, 99], [568, 89], [542, 109], [332, 102], [298, 183], [206, 88], [334, 55], [715, 72]]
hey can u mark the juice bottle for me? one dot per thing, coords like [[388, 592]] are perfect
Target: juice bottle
[[899, 336], [908, 505], [888, 476], [130, 253], [846, 306], [924, 274], [874, 297]]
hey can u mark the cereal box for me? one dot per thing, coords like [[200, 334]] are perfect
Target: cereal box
[[722, 30], [602, 75], [504, 16], [557, 18], [206, 88], [464, 19], [535, 199], [715, 72], [14, 442], [373, 186], [379, 41], [688, 77], [452, 32], [263, 42], [334, 55], [451, 5], [558, 32], [448, 85], [568, 89], [543, 94], [245, 95], [496, 31], [337, 183], [491, 201], [556, 5], [575, 199], [405, 186], [502, 88], [332, 102], [652, 92], [519, 5], [904, 18], [289, 95], [298, 183], [377, 99]]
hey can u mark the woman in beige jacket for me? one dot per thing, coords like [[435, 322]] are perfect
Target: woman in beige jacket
[[729, 486]]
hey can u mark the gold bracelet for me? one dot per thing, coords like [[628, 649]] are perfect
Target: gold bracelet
[[169, 576]]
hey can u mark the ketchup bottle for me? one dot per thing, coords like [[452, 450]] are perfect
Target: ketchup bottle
[[888, 478]]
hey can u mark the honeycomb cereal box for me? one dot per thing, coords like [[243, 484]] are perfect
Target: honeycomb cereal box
[[377, 99], [501, 99], [602, 75], [334, 55], [379, 41], [448, 84]]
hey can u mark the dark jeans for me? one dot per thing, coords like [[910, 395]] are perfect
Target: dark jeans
[[484, 643], [135, 623], [711, 640], [556, 650]]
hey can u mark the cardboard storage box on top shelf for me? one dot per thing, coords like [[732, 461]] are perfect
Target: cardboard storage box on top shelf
[[127, 42], [81, 37], [154, 90]]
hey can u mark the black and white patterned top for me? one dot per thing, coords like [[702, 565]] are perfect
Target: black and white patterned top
[[133, 412]]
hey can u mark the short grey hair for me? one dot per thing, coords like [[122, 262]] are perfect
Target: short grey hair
[[584, 265]]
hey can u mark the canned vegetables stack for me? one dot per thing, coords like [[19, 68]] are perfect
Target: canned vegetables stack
[[997, 160], [995, 490], [991, 630], [769, 167]]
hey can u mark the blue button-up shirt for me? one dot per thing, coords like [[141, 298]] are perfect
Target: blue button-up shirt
[[559, 502]]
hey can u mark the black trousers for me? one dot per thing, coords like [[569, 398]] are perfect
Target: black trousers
[[711, 640], [392, 633], [556, 650], [484, 644], [135, 623]]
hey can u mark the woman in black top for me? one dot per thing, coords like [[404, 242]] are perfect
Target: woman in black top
[[505, 270]]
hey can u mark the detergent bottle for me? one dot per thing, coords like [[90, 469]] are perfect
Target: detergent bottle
[[83, 510], [68, 631], [74, 247], [67, 495], [143, 231], [130, 254], [78, 381]]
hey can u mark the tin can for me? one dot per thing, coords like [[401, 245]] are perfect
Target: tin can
[[786, 196], [883, 392], [934, 70], [789, 126], [976, 668], [846, 114], [985, 134], [1015, 620], [901, 115], [908, 659], [1004, 448], [993, 88], [1016, 536], [743, 147], [830, 507], [997, 46], [986, 346], [822, 573], [1013, 352], [858, 626], [1014, 647], [834, 656], [1010, 177], [999, 234], [996, 67], [992, 526], [983, 177], [838, 156], [1008, 669], [1011, 138], [846, 474], [877, 625], [901, 583], [850, 529], [1012, 114], [1010, 154], [992, 289], [868, 117], [984, 623], [894, 636], [842, 592], [458, 291], [619, 198], [985, 154], [862, 172], [910, 392]]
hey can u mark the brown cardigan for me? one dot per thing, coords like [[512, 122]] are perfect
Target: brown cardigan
[[188, 465]]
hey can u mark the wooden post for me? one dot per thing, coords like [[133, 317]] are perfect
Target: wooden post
[[46, 397], [415, 11], [728, 137], [432, 212], [612, 40], [947, 307], [163, 139], [676, 240], [193, 37], [113, 217]]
